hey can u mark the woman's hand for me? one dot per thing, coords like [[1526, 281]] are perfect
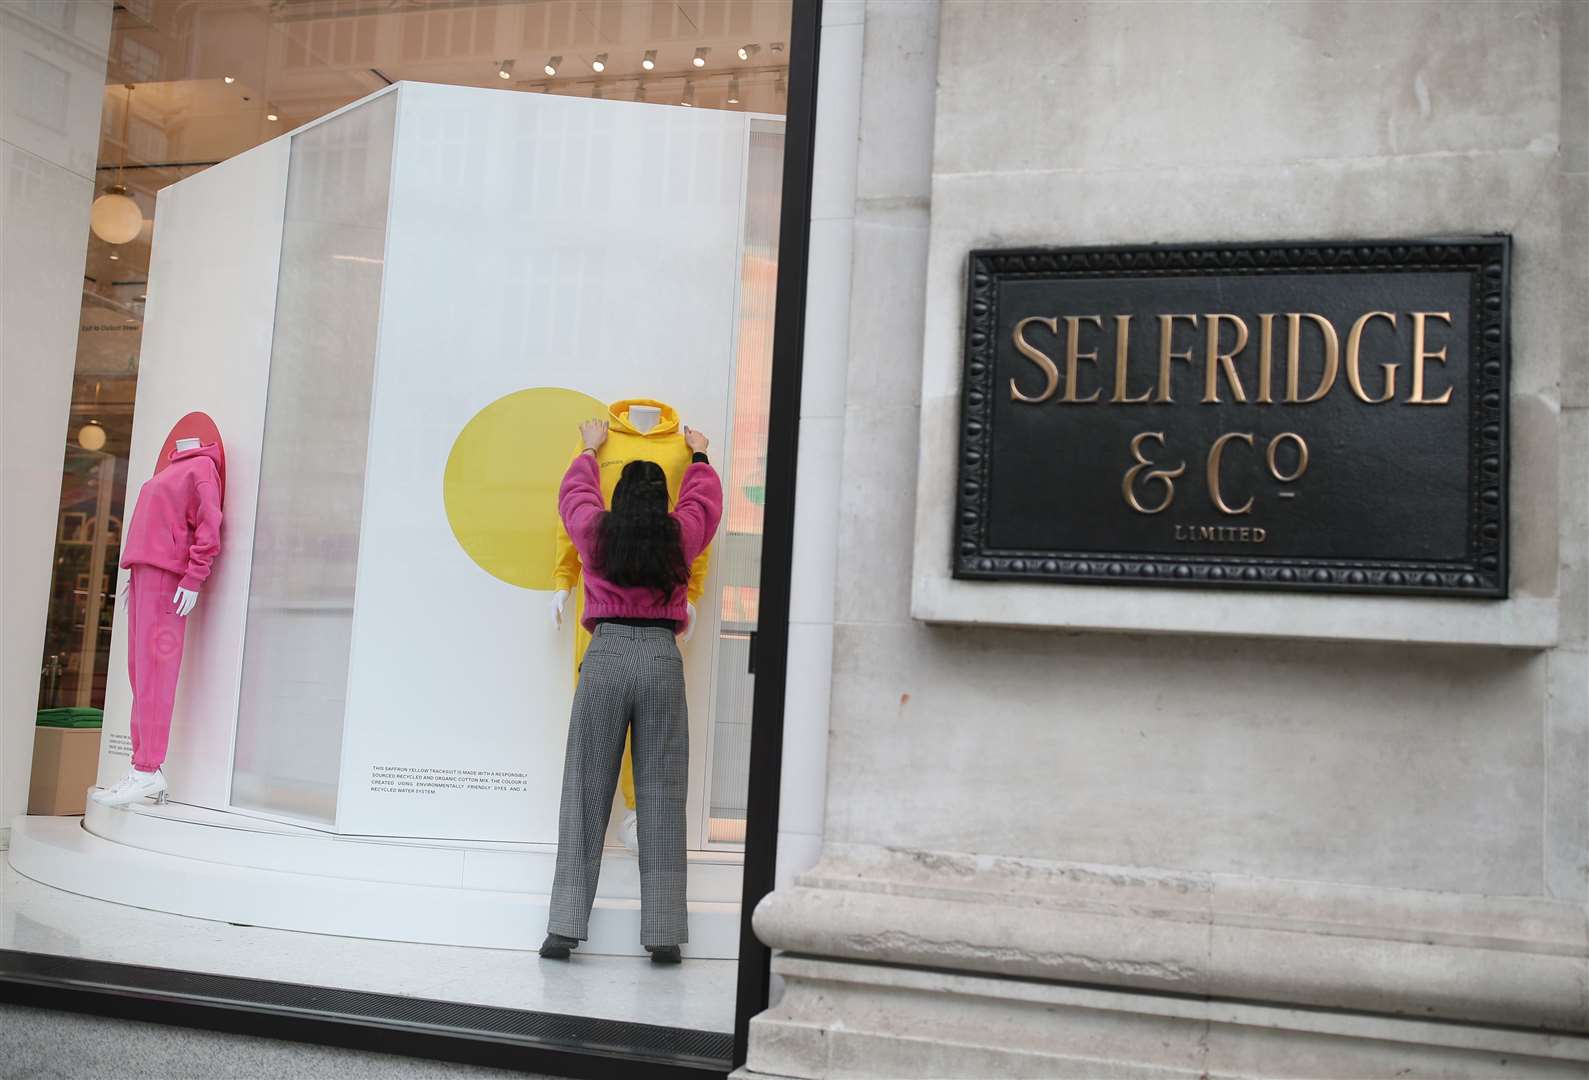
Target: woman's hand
[[594, 432], [696, 441]]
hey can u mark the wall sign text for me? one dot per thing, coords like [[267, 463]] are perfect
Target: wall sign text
[[1319, 416]]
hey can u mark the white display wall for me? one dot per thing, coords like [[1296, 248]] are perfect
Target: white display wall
[[530, 241], [206, 347], [533, 241]]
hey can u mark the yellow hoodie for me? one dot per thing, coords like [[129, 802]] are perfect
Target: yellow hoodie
[[663, 444]]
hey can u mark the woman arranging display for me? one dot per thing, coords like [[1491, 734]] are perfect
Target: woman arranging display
[[637, 560]]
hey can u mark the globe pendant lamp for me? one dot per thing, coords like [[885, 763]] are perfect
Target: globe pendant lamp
[[91, 436], [115, 217]]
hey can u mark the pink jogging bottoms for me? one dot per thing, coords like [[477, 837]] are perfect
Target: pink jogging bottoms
[[154, 659]]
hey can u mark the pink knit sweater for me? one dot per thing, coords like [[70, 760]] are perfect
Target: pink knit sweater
[[698, 510], [176, 524]]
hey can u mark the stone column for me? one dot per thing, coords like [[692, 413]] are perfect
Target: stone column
[[1104, 851]]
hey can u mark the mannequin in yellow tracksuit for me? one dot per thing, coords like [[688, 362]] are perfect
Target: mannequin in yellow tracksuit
[[663, 444]]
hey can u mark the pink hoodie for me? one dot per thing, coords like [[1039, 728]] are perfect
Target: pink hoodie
[[176, 524], [698, 510]]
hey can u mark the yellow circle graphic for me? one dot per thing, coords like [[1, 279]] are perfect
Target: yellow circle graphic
[[500, 487]]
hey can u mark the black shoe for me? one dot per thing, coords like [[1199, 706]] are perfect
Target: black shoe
[[664, 954], [557, 947]]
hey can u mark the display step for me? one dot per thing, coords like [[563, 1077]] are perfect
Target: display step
[[194, 832], [227, 867]]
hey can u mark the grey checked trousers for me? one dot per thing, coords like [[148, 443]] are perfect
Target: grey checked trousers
[[630, 676]]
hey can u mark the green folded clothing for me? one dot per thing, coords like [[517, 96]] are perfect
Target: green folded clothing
[[71, 718]]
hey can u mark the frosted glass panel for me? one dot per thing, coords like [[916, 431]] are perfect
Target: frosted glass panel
[[311, 477], [739, 544]]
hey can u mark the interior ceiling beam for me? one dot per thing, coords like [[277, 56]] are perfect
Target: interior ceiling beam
[[313, 10], [700, 76], [158, 165]]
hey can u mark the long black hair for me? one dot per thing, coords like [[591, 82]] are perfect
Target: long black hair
[[637, 542]]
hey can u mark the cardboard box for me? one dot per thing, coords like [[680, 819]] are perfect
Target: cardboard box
[[65, 764]]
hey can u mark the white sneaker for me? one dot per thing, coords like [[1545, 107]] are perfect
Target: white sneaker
[[629, 831], [137, 786], [99, 795]]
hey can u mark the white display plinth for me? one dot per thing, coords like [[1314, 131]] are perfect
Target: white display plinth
[[343, 301], [215, 865]]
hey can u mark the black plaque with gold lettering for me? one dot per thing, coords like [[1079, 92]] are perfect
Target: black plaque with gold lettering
[[1322, 416]]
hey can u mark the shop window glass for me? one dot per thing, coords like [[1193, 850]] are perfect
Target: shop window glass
[[189, 86], [740, 540]]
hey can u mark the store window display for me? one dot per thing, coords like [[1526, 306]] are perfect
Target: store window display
[[371, 664], [638, 430], [411, 302], [190, 85]]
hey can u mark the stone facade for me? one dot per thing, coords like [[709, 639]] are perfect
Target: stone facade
[[1195, 833]]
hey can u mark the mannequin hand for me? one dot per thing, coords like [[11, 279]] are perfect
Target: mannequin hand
[[185, 600], [696, 441], [559, 598], [689, 623], [594, 432]]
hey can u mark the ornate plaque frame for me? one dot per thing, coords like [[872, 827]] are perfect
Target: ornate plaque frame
[[1481, 572]]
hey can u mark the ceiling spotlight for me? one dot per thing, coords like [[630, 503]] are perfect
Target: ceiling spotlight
[[91, 436], [114, 257], [599, 64], [229, 79], [733, 91], [649, 61], [551, 65], [776, 46], [270, 113], [505, 70], [688, 100], [699, 60], [747, 51]]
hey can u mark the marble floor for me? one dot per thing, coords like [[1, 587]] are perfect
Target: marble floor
[[698, 994]]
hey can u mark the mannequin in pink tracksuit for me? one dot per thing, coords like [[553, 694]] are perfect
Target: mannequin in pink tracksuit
[[169, 548]]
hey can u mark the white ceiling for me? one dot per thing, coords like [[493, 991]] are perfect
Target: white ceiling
[[300, 59], [303, 58]]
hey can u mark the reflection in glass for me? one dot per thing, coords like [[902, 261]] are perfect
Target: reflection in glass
[[739, 544], [87, 544]]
